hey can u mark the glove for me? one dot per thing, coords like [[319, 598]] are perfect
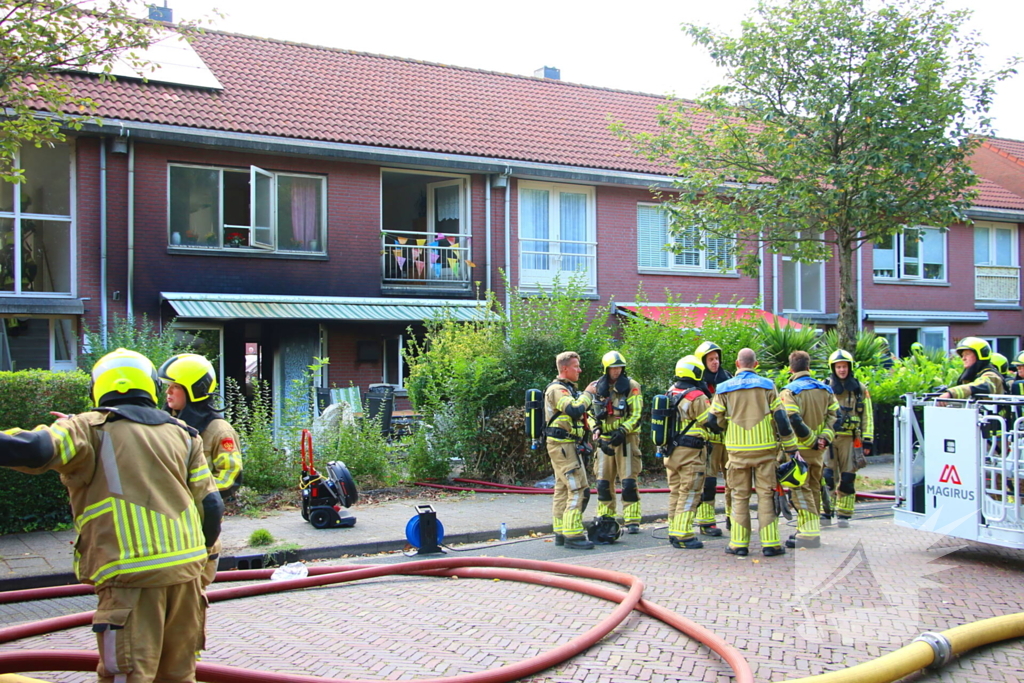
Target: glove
[[867, 447], [617, 437]]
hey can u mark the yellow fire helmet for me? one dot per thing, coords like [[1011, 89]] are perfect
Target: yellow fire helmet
[[705, 348], [193, 372], [840, 356], [123, 374], [980, 347], [1000, 363], [613, 359], [690, 367], [792, 474]]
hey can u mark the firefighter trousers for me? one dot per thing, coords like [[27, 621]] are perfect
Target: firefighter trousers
[[685, 468], [807, 498], [745, 470], [625, 466], [844, 473], [572, 490], [150, 634]]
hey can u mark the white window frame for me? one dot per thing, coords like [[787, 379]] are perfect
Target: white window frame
[[18, 217], [534, 277], [262, 238], [892, 334], [398, 382], [799, 277], [671, 261], [943, 330], [993, 227], [71, 363], [993, 342], [901, 262]]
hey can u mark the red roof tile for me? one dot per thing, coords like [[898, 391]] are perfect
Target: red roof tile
[[1012, 148], [302, 91], [997, 197]]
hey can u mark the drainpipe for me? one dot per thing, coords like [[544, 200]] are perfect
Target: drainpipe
[[487, 229], [103, 240], [775, 284], [860, 287], [131, 227], [760, 271], [508, 241]]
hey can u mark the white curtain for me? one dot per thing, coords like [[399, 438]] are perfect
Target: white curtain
[[534, 228], [573, 228]]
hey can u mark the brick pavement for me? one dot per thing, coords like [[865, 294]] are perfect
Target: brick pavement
[[869, 590]]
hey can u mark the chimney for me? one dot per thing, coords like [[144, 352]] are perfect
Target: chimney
[[548, 72], [164, 14]]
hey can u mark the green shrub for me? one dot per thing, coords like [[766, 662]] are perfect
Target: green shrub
[[778, 342], [424, 462], [364, 450], [265, 467], [259, 538], [867, 352], [135, 334], [26, 399]]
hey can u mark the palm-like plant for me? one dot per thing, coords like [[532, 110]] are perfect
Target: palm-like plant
[[777, 342], [868, 350]]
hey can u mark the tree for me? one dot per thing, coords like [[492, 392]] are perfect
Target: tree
[[840, 124], [40, 38]]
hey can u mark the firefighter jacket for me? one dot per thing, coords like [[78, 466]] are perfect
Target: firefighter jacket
[[710, 385], [564, 410], [136, 489], [220, 444], [816, 405], [857, 412], [619, 409], [988, 381], [755, 422], [691, 414], [1017, 388]]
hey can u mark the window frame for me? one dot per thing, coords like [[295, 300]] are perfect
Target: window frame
[[535, 278], [993, 227], [892, 334], [901, 261], [257, 176], [671, 263], [799, 279], [17, 216], [994, 343]]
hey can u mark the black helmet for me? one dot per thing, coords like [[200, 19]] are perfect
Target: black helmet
[[604, 530]]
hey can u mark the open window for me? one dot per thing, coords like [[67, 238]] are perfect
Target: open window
[[225, 208]]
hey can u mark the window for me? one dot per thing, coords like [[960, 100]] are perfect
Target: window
[[1008, 346], [803, 285], [916, 254], [557, 233], [995, 244], [38, 344], [37, 233], [223, 208], [900, 339], [394, 361], [653, 238], [425, 230]]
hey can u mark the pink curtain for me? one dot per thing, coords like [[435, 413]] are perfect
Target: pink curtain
[[304, 223]]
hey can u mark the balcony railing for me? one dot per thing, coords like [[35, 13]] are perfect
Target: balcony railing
[[418, 260], [997, 283]]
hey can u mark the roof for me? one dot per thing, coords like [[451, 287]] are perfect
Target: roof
[[300, 91], [1011, 148], [995, 196], [693, 317], [277, 307]]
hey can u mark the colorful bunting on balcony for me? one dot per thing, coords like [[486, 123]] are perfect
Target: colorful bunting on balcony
[[470, 263], [421, 242], [434, 256], [402, 240], [453, 263], [396, 252], [417, 253], [420, 265], [401, 262]]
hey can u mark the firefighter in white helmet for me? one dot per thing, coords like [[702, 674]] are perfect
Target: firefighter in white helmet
[[147, 513]]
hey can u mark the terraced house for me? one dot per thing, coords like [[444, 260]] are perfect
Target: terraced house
[[285, 201]]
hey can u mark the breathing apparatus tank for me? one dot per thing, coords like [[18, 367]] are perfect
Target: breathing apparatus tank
[[660, 414], [535, 417]]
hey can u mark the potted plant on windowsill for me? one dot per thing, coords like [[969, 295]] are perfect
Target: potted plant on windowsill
[[236, 238]]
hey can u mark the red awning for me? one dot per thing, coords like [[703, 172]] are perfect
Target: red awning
[[692, 317]]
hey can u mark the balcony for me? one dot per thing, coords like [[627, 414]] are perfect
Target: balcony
[[413, 262], [997, 284]]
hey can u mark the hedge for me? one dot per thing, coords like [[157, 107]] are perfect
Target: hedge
[[32, 502]]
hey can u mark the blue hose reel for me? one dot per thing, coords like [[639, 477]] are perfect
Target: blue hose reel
[[425, 531]]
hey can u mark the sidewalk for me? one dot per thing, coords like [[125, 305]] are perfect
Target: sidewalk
[[45, 558]]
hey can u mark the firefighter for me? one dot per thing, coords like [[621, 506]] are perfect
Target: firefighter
[[1017, 386], [565, 409], [855, 428], [686, 462], [618, 406], [978, 377], [748, 409], [886, 358], [147, 512], [812, 410], [710, 355], [190, 382], [1002, 366]]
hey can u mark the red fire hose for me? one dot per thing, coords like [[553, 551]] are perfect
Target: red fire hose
[[529, 571]]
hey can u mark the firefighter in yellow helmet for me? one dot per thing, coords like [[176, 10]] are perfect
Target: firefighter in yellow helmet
[[565, 409], [618, 407], [978, 377], [1017, 386], [747, 407], [812, 410], [147, 513], [686, 461], [855, 428], [710, 355], [190, 382]]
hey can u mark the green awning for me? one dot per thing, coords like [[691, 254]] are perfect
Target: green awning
[[275, 307]]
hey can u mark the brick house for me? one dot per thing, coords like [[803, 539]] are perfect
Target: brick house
[[293, 201]]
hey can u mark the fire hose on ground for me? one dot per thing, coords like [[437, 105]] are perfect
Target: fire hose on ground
[[931, 650]]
